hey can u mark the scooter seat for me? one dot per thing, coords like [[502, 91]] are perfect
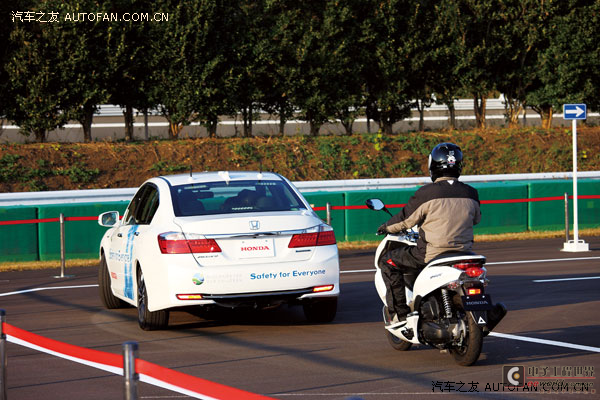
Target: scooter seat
[[457, 256]]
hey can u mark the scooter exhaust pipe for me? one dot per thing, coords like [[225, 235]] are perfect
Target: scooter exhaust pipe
[[434, 333]]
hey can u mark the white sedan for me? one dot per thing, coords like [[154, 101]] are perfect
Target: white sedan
[[230, 239]]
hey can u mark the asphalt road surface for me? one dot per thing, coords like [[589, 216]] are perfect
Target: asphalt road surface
[[276, 353]]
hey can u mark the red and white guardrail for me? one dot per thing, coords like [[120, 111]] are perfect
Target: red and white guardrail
[[148, 372]]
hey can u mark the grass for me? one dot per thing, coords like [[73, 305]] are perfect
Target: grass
[[32, 265], [358, 245]]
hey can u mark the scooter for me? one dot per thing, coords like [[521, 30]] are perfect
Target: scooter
[[450, 309]]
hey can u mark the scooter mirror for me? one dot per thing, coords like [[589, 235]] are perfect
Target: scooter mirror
[[375, 204]]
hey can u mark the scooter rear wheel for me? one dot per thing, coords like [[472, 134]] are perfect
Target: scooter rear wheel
[[397, 343], [469, 352]]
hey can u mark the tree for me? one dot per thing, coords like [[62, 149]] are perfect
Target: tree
[[444, 60], [422, 49], [280, 62], [567, 61], [385, 76], [172, 82], [343, 25], [481, 48], [574, 47], [524, 39], [35, 86], [213, 70], [130, 61], [300, 28], [249, 59], [82, 59], [10, 22]]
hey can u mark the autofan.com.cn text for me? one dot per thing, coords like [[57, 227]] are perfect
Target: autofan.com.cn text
[[53, 17]]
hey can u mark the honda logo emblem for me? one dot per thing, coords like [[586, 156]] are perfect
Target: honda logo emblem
[[254, 225]]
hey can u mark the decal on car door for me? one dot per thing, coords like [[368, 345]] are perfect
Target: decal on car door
[[128, 267]]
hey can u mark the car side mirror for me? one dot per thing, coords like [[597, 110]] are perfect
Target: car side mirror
[[108, 219]]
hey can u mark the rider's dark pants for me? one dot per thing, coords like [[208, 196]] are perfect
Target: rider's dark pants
[[402, 260]]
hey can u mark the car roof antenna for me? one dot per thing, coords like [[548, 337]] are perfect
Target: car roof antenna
[[190, 170]]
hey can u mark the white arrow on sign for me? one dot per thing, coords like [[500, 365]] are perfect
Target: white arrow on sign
[[577, 111]]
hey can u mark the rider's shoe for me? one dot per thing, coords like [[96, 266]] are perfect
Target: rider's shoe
[[402, 312], [393, 320]]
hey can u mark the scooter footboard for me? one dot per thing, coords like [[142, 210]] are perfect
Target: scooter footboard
[[407, 332]]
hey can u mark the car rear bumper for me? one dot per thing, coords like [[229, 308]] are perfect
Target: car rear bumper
[[180, 284]]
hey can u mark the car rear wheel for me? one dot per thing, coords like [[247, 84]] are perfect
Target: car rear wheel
[[149, 320], [109, 300], [320, 310]]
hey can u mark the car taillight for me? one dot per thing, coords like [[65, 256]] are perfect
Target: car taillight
[[324, 288], [323, 237], [192, 296], [179, 243]]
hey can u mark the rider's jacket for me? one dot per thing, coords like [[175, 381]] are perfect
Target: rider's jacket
[[445, 211]]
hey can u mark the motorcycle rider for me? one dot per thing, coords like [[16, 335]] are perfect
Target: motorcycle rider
[[445, 211]]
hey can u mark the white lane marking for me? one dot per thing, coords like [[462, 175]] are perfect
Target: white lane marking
[[541, 261], [46, 288], [499, 263], [548, 342], [566, 279], [357, 270], [497, 334], [169, 386]]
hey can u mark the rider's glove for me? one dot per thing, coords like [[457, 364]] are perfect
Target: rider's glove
[[382, 230]]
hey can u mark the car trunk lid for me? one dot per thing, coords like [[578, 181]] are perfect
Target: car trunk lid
[[252, 239]]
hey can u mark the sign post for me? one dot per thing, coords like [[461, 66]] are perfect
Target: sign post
[[574, 112]]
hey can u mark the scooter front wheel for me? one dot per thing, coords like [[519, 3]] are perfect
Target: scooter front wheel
[[397, 343], [469, 352]]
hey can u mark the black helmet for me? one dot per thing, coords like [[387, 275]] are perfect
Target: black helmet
[[445, 160]]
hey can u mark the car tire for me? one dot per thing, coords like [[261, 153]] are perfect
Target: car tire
[[149, 320], [320, 310], [109, 300]]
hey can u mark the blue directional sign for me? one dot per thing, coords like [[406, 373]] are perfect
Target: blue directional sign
[[574, 111]]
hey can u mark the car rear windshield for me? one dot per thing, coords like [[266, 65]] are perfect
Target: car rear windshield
[[234, 197]]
